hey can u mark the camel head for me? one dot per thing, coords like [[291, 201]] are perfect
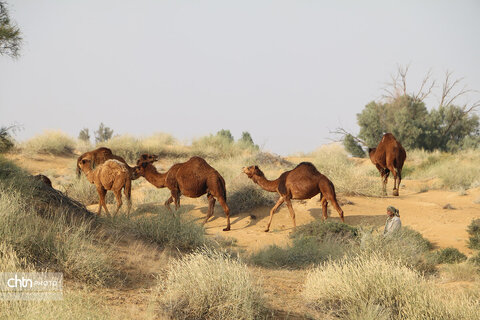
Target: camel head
[[139, 170], [150, 158], [253, 171], [84, 165]]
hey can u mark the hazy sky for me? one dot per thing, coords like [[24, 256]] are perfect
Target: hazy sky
[[288, 72]]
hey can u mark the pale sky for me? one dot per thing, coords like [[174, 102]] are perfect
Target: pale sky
[[289, 72]]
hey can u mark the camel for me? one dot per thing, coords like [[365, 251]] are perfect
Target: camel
[[100, 155], [111, 175], [193, 179], [303, 182], [389, 156], [147, 158]]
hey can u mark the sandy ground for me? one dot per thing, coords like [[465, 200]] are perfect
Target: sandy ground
[[439, 215]]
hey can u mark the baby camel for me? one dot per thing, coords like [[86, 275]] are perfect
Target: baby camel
[[111, 175], [193, 179], [303, 182]]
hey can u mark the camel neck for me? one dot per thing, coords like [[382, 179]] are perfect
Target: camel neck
[[267, 185], [90, 175], [154, 177]]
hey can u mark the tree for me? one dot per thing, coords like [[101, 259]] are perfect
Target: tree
[[226, 134], [353, 147], [103, 133], [6, 140], [84, 135], [246, 138], [449, 127], [10, 35]]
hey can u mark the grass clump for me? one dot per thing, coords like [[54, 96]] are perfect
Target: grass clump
[[50, 142], [347, 177], [85, 192], [321, 230], [304, 252], [245, 195], [164, 228], [464, 271], [473, 230], [209, 285], [407, 247], [448, 255], [384, 289]]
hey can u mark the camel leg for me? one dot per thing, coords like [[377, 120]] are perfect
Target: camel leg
[[391, 168], [127, 190], [385, 173], [176, 198], [399, 176], [167, 203], [335, 204], [101, 193], [292, 213], [275, 207], [324, 208], [227, 212], [211, 206], [118, 196]]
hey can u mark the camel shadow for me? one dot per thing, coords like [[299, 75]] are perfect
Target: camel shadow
[[361, 220], [158, 208]]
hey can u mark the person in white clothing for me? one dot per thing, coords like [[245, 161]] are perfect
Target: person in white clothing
[[393, 223]]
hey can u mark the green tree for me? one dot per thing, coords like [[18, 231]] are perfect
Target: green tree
[[84, 135], [6, 140], [10, 35], [103, 133], [353, 147], [226, 134], [247, 138]]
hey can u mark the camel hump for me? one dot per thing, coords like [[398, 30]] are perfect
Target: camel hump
[[307, 166], [116, 163]]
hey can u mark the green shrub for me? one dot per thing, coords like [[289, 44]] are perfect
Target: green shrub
[[325, 229], [473, 230], [475, 259], [448, 255], [209, 285], [244, 196], [304, 252], [383, 288], [51, 142]]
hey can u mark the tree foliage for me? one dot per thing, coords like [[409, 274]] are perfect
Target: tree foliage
[[84, 135], [10, 35], [6, 140], [103, 133], [353, 147], [226, 134]]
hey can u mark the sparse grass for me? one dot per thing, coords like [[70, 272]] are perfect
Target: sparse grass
[[448, 255], [217, 147], [304, 252], [50, 142], [209, 285], [85, 192], [167, 229], [321, 230], [244, 196], [347, 177], [381, 288]]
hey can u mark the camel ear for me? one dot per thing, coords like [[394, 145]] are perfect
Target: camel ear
[[256, 167]]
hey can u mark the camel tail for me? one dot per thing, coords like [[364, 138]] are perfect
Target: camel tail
[[221, 183]]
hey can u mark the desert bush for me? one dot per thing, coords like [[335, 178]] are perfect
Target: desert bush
[[473, 230], [322, 230], [209, 285], [74, 305], [347, 177], [407, 247], [304, 252], [164, 228], [475, 259], [447, 255], [220, 146], [51, 142], [54, 243], [372, 285], [244, 195], [464, 271]]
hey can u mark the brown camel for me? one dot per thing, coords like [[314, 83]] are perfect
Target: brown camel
[[193, 179], [111, 175], [389, 156], [147, 158], [100, 155], [303, 182]]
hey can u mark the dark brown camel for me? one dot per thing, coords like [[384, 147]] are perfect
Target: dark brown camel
[[303, 182], [100, 155], [389, 156], [193, 179]]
